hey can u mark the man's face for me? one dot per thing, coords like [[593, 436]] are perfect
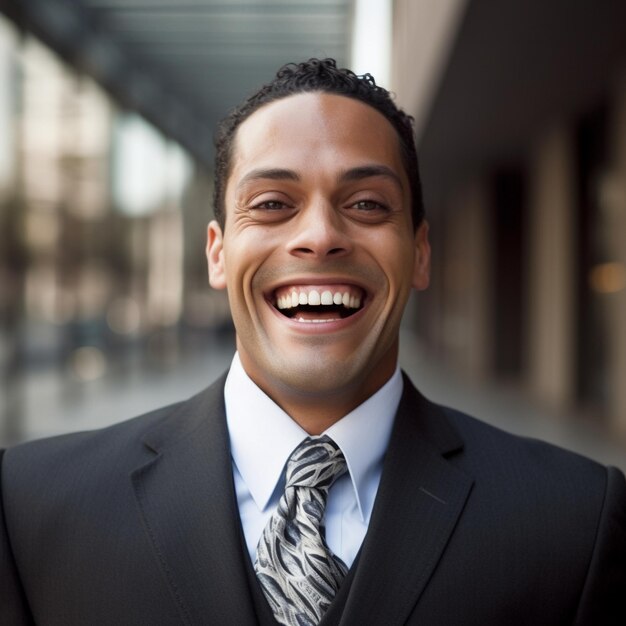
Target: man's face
[[318, 253]]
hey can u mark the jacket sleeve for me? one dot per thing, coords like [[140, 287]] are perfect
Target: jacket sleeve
[[603, 598], [13, 606]]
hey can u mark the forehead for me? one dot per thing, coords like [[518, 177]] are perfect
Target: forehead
[[310, 128]]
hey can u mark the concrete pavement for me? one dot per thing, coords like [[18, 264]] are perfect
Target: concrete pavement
[[53, 403]]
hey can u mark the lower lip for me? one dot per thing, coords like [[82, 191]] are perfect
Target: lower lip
[[318, 328]]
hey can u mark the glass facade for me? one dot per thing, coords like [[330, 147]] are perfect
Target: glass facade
[[101, 241]]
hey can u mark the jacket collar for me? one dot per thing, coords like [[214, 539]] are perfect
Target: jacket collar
[[187, 502], [420, 499]]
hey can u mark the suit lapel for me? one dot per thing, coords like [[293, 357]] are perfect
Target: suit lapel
[[188, 505], [420, 498]]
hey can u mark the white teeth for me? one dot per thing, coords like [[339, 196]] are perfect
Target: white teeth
[[314, 298], [327, 298]]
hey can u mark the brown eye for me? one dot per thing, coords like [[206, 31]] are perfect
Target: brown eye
[[268, 211], [369, 205], [271, 205]]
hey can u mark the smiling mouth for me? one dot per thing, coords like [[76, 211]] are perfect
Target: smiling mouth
[[318, 305]]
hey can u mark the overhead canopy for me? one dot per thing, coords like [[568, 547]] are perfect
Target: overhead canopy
[[515, 67], [184, 64]]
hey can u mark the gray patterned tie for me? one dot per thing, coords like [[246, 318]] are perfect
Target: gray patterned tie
[[298, 573]]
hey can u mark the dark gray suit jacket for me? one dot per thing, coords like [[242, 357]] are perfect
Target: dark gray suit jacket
[[138, 524]]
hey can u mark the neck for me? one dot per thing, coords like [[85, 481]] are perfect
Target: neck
[[316, 411], [315, 414]]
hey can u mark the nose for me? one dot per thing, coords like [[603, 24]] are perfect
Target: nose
[[319, 233]]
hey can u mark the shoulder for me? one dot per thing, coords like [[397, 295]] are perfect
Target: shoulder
[[108, 452], [551, 506], [537, 519], [487, 448], [74, 448], [510, 472], [481, 449], [564, 495]]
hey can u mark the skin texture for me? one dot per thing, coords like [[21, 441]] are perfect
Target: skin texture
[[318, 196]]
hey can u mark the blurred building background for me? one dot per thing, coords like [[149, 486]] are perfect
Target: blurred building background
[[107, 114], [522, 137]]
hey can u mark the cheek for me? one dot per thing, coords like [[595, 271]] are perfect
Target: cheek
[[242, 262], [234, 266], [396, 257]]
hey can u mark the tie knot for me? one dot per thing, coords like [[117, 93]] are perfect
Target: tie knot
[[315, 463]]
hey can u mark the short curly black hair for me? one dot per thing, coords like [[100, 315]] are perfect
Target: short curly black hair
[[317, 75]]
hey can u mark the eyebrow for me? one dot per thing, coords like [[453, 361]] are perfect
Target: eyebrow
[[355, 173], [370, 171], [275, 173]]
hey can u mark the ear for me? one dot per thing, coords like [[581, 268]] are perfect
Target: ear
[[215, 255], [421, 267]]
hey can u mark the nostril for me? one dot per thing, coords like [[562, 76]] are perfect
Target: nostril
[[309, 251]]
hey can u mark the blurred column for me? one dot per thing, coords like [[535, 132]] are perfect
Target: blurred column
[[165, 277], [12, 253], [508, 211], [149, 178], [614, 203], [551, 267], [468, 280], [423, 33]]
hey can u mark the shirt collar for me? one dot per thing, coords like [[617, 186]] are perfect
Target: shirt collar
[[262, 435]]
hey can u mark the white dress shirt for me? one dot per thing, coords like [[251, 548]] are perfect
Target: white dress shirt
[[263, 436]]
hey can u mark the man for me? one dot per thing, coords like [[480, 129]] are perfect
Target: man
[[312, 484]]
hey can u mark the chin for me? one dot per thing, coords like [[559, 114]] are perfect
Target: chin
[[320, 377]]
